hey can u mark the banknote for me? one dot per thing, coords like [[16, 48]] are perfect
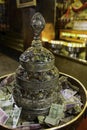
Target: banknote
[[3, 116], [56, 113]]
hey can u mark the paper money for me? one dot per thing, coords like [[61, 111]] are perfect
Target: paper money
[[56, 113], [7, 80], [3, 117], [16, 116], [68, 93]]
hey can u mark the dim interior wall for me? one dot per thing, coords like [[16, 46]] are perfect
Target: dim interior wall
[[20, 35], [14, 16], [47, 8]]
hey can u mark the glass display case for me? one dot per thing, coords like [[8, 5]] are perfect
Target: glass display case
[[71, 30], [75, 43]]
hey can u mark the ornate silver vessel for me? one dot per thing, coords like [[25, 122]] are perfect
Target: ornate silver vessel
[[36, 86]]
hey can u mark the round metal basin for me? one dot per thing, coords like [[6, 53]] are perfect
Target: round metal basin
[[72, 124]]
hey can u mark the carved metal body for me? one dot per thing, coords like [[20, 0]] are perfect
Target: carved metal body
[[36, 86]]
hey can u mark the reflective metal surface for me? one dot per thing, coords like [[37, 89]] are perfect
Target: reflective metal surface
[[72, 124]]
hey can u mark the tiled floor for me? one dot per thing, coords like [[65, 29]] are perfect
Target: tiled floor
[[8, 61]]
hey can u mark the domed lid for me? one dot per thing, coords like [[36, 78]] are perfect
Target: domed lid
[[37, 58]]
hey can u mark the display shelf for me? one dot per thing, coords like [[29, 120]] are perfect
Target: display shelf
[[78, 36]]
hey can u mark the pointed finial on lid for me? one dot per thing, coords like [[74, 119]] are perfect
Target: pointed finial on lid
[[38, 24]]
